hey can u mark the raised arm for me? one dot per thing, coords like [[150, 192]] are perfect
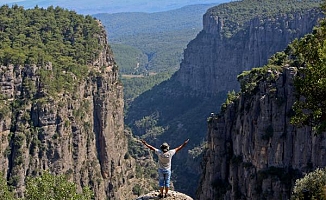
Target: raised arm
[[147, 145], [181, 146]]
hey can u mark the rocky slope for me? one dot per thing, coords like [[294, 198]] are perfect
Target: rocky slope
[[80, 134], [253, 150]]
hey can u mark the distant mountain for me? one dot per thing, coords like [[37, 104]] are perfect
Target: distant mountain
[[134, 23], [111, 6], [160, 37]]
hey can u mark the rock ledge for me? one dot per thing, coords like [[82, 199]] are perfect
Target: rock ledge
[[172, 195]]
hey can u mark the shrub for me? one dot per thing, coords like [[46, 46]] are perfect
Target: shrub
[[49, 186], [5, 193], [311, 186]]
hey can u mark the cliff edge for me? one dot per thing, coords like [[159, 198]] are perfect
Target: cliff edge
[[254, 152]]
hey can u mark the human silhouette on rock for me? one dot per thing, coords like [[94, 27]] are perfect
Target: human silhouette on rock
[[164, 163]]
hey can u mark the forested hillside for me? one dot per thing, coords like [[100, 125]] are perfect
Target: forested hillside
[[235, 17]]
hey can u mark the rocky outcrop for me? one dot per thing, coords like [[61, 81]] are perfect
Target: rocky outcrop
[[212, 60], [172, 195], [79, 133], [253, 151]]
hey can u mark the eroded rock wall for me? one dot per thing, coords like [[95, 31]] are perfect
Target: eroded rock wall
[[253, 150], [212, 61], [78, 133]]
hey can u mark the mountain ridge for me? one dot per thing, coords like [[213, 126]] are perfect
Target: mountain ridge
[[112, 6]]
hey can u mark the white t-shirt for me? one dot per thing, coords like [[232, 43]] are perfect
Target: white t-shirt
[[164, 159]]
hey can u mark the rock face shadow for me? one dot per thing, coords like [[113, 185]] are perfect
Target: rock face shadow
[[172, 195]]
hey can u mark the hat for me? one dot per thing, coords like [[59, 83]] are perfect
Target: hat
[[165, 147]]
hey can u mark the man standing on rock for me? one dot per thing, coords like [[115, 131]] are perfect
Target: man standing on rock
[[164, 162]]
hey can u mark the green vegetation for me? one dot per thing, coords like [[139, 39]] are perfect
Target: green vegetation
[[52, 37], [46, 186], [310, 53], [134, 86], [5, 192], [231, 97], [181, 114], [120, 25], [4, 108], [163, 51], [308, 56], [236, 14], [249, 80], [311, 186], [131, 59]]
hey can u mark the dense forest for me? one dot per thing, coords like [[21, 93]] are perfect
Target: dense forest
[[55, 35], [46, 186], [235, 16]]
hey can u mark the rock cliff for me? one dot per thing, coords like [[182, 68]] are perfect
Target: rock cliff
[[80, 134], [253, 150], [213, 59]]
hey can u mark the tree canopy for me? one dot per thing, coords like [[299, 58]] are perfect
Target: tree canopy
[[54, 35], [309, 55], [47, 186], [235, 14], [38, 35]]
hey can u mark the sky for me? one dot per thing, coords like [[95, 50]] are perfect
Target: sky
[[111, 6]]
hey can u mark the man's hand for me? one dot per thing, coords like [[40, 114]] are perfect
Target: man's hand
[[181, 146], [147, 145]]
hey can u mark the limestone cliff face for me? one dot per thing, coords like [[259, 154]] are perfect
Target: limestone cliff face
[[80, 134], [212, 61], [253, 150]]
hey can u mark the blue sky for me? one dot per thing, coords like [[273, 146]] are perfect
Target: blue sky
[[111, 6]]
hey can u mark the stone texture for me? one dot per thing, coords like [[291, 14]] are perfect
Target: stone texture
[[253, 150]]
